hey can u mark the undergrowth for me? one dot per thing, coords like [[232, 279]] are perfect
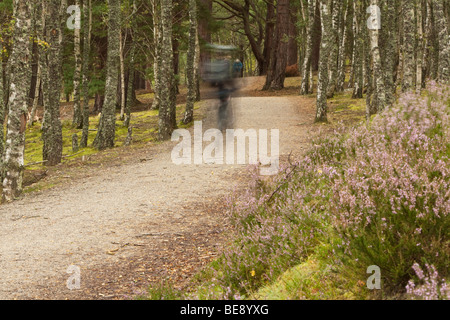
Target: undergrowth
[[374, 195]]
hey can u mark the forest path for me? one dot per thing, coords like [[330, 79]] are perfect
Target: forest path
[[128, 226]]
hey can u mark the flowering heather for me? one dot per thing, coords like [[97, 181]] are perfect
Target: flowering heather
[[430, 287], [391, 199], [378, 194]]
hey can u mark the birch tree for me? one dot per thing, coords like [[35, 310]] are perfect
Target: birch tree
[[18, 96], [2, 111], [166, 125], [77, 112], [409, 66], [334, 43], [107, 126], [85, 70], [52, 129], [305, 85], [325, 49], [358, 51], [157, 38], [390, 33], [378, 72], [191, 68], [442, 26]]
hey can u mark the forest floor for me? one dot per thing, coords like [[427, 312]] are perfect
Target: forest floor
[[132, 218]]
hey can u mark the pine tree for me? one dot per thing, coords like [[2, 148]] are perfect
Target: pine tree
[[107, 127], [277, 71], [15, 135]]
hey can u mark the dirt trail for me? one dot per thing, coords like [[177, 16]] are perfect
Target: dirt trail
[[132, 225]]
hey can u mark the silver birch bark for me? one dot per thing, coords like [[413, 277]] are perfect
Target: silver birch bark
[[358, 52], [131, 71], [305, 85], [2, 112], [122, 76], [36, 97], [52, 129], [77, 113], [444, 41], [390, 34], [420, 46], [191, 60], [408, 46], [378, 72], [167, 76], [85, 71], [157, 38], [322, 86], [342, 50], [334, 58], [18, 96], [107, 127]]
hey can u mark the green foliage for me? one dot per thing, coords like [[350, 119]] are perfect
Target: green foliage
[[162, 291]]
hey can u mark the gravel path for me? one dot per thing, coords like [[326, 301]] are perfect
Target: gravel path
[[131, 225]]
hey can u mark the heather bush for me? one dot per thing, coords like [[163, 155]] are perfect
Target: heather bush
[[390, 201], [276, 228], [429, 286], [377, 194]]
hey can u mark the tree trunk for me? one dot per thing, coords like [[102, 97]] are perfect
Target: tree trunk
[[358, 51], [292, 52], [2, 113], [378, 72], [190, 64], [167, 77], [420, 47], [325, 50], [334, 58], [269, 38], [342, 48], [409, 41], [204, 33], [130, 101], [86, 50], [77, 113], [157, 36], [36, 97], [389, 32], [305, 85], [444, 41], [52, 129], [18, 96], [107, 127], [123, 91], [277, 72]]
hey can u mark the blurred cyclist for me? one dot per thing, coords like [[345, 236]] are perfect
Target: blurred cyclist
[[237, 68], [219, 74]]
